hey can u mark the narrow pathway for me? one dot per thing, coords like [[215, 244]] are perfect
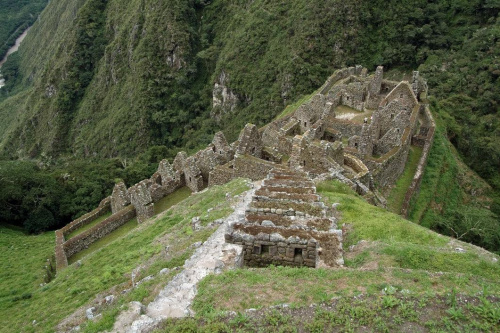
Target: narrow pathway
[[175, 299]]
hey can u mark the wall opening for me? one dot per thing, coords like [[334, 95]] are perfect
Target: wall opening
[[392, 116], [253, 150], [355, 145], [256, 249], [264, 249], [297, 253], [190, 179], [303, 163]]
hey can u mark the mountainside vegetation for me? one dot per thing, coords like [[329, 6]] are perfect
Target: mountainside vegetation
[[16, 16], [112, 79]]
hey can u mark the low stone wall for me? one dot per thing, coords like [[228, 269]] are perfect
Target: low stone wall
[[288, 247], [83, 240], [271, 247], [251, 167], [345, 127], [103, 208], [417, 178], [61, 259]]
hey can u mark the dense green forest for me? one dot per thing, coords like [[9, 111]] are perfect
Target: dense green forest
[[108, 79], [16, 16]]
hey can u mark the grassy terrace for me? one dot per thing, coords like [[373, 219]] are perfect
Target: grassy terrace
[[22, 300], [88, 226], [172, 199], [408, 276], [398, 192], [121, 231]]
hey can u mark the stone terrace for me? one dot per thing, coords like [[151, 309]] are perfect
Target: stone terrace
[[287, 224]]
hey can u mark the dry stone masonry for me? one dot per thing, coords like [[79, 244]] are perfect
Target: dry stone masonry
[[287, 224], [358, 129]]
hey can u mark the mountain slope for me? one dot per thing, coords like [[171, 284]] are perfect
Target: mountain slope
[[388, 254]]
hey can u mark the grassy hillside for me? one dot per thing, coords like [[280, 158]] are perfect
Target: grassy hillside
[[23, 300], [394, 269]]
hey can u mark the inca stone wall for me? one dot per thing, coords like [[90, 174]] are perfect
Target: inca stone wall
[[310, 139], [120, 198], [103, 208], [287, 224], [83, 240]]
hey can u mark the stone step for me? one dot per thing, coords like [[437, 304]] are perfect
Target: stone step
[[320, 224], [287, 182], [287, 189], [313, 208], [288, 196]]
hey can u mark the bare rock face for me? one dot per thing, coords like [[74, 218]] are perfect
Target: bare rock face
[[223, 98], [120, 198]]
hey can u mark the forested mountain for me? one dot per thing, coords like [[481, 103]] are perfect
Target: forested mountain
[[111, 79], [15, 17]]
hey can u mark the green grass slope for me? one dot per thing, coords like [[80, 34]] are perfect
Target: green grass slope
[[105, 271], [399, 276], [407, 274]]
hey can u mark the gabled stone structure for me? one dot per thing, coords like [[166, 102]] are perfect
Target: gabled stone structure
[[287, 224], [250, 141], [120, 198], [140, 197]]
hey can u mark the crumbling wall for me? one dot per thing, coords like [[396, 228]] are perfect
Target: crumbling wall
[[315, 156], [249, 141], [224, 152], [264, 246], [270, 247], [417, 178], [354, 95], [140, 197], [103, 208], [251, 167], [374, 88], [119, 198], [222, 174], [85, 239]]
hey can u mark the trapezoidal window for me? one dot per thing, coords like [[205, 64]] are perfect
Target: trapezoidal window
[[264, 249], [355, 144], [297, 253]]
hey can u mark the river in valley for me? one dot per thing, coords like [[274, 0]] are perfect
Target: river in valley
[[13, 49]]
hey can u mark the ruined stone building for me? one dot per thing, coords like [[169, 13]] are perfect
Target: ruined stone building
[[287, 224], [357, 128]]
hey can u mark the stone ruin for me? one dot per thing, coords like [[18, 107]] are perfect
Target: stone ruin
[[358, 129], [287, 224]]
